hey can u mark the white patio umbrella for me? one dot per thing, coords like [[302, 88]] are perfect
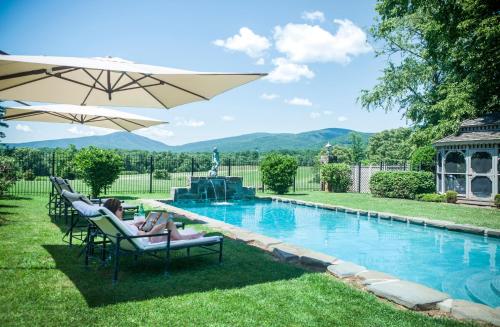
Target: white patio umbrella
[[71, 114], [109, 82]]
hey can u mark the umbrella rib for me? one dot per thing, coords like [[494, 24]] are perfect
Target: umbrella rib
[[137, 87], [180, 88], [92, 88], [24, 83], [61, 116], [132, 122], [119, 78], [151, 94], [23, 115], [95, 80], [31, 72], [111, 120], [134, 81], [74, 81]]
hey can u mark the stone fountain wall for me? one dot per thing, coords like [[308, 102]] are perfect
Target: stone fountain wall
[[213, 188]]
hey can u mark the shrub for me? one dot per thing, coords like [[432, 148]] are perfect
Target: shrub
[[497, 201], [451, 196], [161, 174], [424, 158], [338, 176], [29, 175], [278, 171], [431, 197], [401, 184], [98, 168], [67, 172], [8, 175]]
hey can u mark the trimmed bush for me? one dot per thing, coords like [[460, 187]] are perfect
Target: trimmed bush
[[29, 175], [337, 176], [451, 196], [497, 201], [431, 197], [98, 168], [278, 171], [8, 174], [401, 184], [161, 174]]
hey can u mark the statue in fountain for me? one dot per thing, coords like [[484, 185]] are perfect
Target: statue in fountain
[[215, 163]]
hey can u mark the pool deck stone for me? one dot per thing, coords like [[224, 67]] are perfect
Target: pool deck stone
[[410, 295], [369, 277], [344, 269], [466, 310]]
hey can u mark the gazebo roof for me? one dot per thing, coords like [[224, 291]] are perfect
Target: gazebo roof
[[472, 131]]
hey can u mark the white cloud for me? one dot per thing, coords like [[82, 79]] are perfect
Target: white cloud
[[314, 115], [188, 122], [246, 41], [227, 118], [287, 72], [80, 131], [303, 43], [271, 96], [327, 112], [155, 132], [342, 118], [313, 15], [299, 102], [260, 62], [24, 128]]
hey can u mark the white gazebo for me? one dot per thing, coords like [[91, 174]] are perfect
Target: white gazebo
[[468, 162]]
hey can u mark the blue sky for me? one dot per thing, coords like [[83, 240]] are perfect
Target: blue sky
[[318, 54]]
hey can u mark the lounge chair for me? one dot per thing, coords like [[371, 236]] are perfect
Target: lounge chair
[[114, 232], [76, 221]]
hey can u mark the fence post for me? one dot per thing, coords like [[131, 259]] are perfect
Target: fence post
[[53, 168], [192, 166], [404, 165], [359, 177], [294, 183], [381, 166], [229, 167], [150, 174]]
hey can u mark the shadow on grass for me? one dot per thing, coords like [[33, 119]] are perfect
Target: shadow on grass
[[145, 279], [14, 197]]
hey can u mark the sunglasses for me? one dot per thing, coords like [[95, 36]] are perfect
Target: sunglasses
[[120, 208]]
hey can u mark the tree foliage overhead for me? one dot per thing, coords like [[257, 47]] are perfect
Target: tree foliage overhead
[[2, 124], [390, 146], [443, 62]]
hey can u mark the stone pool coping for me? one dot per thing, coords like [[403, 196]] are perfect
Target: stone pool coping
[[407, 294]]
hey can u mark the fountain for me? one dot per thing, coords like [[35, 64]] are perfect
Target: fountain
[[200, 188]]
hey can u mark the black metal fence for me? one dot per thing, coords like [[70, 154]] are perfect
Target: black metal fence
[[160, 172]]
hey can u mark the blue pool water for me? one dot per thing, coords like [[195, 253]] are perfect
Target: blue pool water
[[465, 266]]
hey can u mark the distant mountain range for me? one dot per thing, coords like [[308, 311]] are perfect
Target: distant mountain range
[[262, 142]]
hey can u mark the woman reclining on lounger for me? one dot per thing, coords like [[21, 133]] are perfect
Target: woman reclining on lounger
[[115, 206]]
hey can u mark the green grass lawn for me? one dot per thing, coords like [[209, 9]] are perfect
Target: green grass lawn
[[463, 214], [43, 282]]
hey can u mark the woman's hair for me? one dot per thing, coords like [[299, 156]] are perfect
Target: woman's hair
[[112, 205]]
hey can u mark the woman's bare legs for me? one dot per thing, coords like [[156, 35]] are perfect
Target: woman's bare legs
[[175, 235]]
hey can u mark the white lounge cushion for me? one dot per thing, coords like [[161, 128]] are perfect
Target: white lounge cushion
[[86, 209], [174, 245]]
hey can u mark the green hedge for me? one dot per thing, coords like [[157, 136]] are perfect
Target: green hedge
[[337, 175], [431, 197], [278, 172], [401, 184]]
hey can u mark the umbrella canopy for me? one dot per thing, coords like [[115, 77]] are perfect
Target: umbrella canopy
[[109, 81], [70, 114]]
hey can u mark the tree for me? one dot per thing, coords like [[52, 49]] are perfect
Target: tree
[[8, 175], [278, 171], [390, 146], [98, 168], [337, 176], [424, 158], [443, 63], [357, 147], [341, 154]]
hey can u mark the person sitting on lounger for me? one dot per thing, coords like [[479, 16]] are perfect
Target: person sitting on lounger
[[115, 206]]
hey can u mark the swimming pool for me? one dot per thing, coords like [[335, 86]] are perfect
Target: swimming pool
[[465, 266]]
